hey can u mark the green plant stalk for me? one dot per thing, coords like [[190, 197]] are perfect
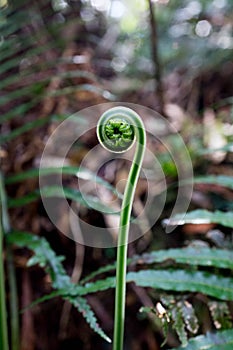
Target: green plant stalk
[[14, 318], [14, 307], [120, 293], [3, 311]]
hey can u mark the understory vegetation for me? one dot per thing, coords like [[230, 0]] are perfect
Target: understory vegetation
[[58, 58]]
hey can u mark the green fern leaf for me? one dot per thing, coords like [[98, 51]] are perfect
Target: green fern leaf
[[202, 217], [227, 148], [175, 280], [62, 192], [211, 341], [200, 256], [81, 173], [220, 314], [46, 258], [43, 256], [189, 317], [84, 308], [178, 324], [220, 180]]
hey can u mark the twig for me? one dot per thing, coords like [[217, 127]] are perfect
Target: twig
[[155, 57]]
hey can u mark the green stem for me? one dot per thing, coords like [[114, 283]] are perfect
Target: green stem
[[14, 318], [14, 308], [140, 135], [3, 311]]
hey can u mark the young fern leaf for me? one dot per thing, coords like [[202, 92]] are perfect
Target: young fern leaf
[[117, 130]]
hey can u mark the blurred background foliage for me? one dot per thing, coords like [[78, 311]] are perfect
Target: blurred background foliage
[[60, 56]]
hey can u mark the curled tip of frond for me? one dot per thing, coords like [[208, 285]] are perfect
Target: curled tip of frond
[[115, 133]]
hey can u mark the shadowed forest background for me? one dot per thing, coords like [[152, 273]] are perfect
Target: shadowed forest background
[[58, 57]]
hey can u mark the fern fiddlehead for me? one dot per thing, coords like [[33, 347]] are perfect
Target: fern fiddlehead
[[117, 130]]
